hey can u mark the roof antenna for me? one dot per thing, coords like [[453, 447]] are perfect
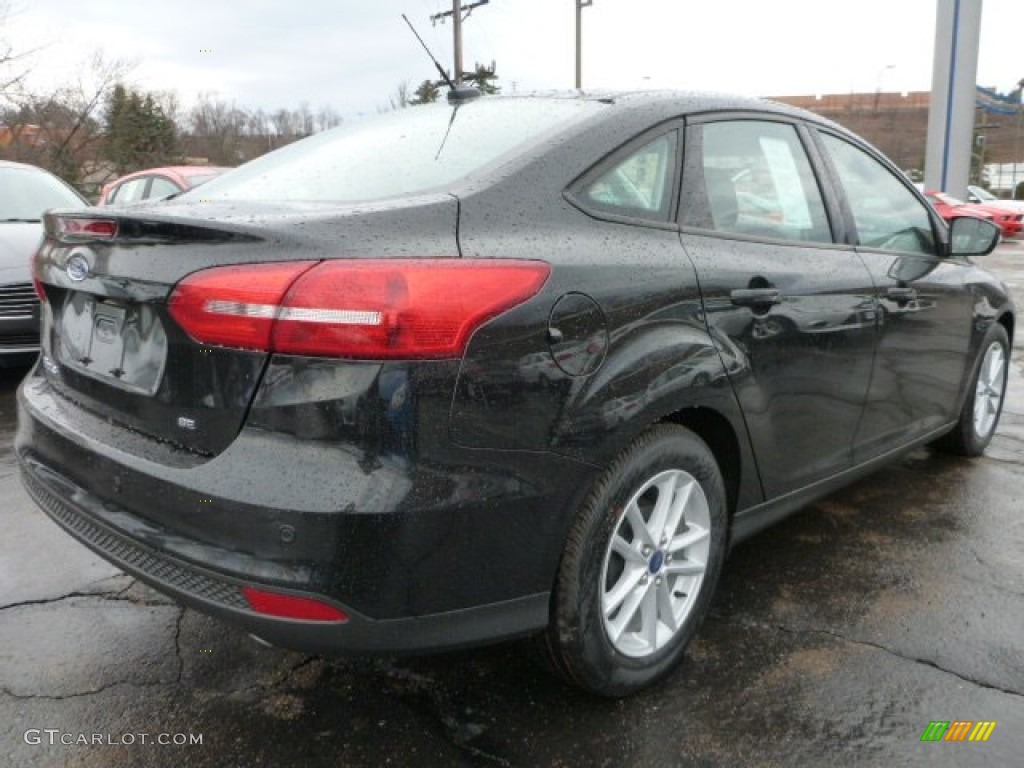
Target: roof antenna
[[457, 94]]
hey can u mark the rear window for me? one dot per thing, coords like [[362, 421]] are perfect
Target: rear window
[[400, 153], [200, 178]]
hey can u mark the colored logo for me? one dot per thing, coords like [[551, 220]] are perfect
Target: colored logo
[[958, 730]]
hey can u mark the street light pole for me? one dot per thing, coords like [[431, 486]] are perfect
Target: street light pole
[[1016, 138], [580, 5]]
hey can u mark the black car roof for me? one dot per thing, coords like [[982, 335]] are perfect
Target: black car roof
[[674, 103]]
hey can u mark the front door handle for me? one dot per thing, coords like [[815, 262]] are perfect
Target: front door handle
[[755, 297]]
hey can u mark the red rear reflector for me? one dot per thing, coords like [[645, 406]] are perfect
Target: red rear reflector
[[370, 309], [98, 228], [292, 607]]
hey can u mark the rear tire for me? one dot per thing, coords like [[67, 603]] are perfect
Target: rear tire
[[984, 402], [640, 566]]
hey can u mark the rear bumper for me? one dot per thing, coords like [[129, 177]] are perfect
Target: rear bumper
[[215, 594], [458, 549]]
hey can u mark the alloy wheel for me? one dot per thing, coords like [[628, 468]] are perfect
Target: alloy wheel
[[989, 391], [655, 563]]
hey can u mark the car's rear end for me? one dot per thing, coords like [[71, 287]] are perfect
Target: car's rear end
[[1009, 222], [247, 405]]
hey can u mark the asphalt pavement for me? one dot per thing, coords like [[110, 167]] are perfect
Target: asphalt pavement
[[836, 638]]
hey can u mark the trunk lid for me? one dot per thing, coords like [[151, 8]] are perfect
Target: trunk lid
[[109, 343]]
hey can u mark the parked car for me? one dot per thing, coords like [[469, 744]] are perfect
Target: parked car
[[1009, 223], [984, 197], [157, 183], [515, 367], [25, 193]]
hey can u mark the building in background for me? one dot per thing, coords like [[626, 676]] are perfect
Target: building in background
[[897, 123]]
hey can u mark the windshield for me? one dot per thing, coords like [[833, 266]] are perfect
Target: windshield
[[982, 194], [27, 193], [400, 153]]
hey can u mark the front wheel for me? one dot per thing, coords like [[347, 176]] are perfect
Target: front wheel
[[640, 566], [984, 403]]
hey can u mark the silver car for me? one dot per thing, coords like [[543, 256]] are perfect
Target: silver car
[[25, 193]]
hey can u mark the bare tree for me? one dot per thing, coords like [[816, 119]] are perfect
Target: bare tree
[[305, 119], [62, 130], [218, 131], [399, 98], [327, 118], [13, 64]]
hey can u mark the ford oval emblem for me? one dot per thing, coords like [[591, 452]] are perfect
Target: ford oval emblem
[[77, 268]]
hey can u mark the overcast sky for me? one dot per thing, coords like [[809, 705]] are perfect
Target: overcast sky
[[350, 54]]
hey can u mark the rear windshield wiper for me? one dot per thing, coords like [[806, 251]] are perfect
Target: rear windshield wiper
[[25, 221]]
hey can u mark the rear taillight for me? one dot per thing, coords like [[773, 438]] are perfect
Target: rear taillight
[[234, 306], [373, 309], [101, 229], [292, 606]]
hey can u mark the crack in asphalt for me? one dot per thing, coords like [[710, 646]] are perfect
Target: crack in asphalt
[[306, 662], [112, 596], [177, 645], [879, 647], [441, 706], [279, 678], [991, 567], [80, 694]]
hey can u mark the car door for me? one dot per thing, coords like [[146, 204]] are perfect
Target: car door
[[925, 308], [782, 290]]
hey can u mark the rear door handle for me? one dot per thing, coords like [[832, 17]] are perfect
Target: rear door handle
[[755, 297], [901, 295]]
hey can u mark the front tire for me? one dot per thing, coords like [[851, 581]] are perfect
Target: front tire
[[984, 402], [641, 564]]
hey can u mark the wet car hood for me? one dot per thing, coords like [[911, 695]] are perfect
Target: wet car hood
[[18, 242]]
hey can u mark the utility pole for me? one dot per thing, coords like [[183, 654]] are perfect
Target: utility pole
[[580, 5], [457, 19]]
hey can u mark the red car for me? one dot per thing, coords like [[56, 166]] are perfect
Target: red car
[[1008, 221], [157, 183]]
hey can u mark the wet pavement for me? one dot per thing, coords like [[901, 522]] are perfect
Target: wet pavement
[[835, 637]]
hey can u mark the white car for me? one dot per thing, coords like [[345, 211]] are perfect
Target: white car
[[982, 195]]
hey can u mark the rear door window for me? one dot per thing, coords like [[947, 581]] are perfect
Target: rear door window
[[755, 180]]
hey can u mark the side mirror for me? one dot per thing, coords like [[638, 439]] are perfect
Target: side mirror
[[971, 236]]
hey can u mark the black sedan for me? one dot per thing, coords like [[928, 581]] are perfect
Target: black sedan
[[521, 366]]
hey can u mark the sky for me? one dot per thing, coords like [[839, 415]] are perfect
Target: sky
[[352, 54]]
